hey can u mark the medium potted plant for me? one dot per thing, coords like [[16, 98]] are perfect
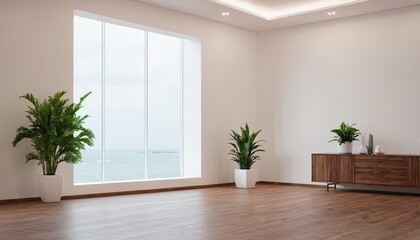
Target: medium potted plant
[[57, 135], [244, 151], [345, 135]]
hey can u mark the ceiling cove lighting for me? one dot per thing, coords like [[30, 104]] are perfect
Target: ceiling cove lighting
[[269, 10]]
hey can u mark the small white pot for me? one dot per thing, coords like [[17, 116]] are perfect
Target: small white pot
[[346, 147], [50, 187], [245, 178]]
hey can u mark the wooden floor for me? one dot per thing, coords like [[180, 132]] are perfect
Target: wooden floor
[[267, 212]]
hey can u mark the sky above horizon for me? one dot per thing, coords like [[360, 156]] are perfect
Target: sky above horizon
[[124, 89]]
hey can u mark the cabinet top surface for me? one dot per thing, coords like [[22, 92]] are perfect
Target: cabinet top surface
[[379, 155]]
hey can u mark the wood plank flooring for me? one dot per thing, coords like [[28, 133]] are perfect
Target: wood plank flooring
[[266, 212]]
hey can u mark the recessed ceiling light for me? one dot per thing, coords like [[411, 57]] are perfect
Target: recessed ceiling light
[[275, 9], [225, 13], [331, 13]]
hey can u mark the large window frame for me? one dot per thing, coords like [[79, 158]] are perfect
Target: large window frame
[[190, 79]]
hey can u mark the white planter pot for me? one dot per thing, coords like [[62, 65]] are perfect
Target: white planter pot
[[346, 147], [245, 178], [50, 187]]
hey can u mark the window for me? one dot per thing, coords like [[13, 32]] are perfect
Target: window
[[145, 103]]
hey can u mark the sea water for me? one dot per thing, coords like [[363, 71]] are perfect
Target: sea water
[[125, 165]]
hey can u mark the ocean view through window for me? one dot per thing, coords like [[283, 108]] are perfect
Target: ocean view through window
[[145, 104]]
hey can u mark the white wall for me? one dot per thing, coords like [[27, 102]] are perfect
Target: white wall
[[363, 70], [36, 56]]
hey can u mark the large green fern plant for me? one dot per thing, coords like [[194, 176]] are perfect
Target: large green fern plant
[[56, 131], [245, 147], [345, 133]]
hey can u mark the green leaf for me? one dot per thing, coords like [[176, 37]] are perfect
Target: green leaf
[[244, 147], [56, 131], [345, 133]]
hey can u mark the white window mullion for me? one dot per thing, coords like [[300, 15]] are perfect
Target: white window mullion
[[146, 102], [103, 100], [181, 154]]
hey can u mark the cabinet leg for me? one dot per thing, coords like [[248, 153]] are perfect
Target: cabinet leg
[[329, 184]]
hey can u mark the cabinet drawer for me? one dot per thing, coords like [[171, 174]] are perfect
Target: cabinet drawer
[[391, 171], [332, 168], [324, 168]]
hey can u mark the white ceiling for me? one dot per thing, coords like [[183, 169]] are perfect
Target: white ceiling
[[274, 9], [255, 14]]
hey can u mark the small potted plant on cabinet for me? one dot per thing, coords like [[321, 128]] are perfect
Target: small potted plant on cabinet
[[57, 135], [345, 135], [244, 151]]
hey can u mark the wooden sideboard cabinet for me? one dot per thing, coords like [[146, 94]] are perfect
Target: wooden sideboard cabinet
[[387, 170]]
